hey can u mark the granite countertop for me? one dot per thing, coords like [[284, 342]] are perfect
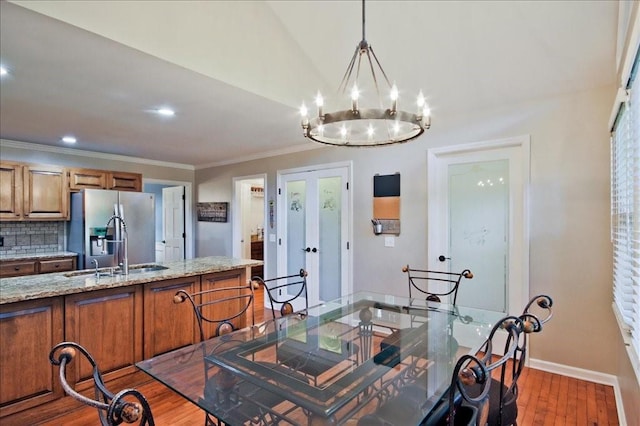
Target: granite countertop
[[32, 287], [31, 256]]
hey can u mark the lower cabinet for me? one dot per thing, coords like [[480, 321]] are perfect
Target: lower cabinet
[[108, 323], [220, 280], [28, 331], [118, 326], [168, 325]]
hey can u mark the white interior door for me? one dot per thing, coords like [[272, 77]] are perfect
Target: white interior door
[[173, 227], [478, 220], [313, 228]]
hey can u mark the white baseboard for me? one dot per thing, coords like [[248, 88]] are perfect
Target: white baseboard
[[582, 374]]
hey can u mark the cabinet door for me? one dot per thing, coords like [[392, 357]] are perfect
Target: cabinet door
[[222, 280], [168, 325], [10, 191], [28, 331], [57, 265], [46, 193], [108, 323], [122, 181], [17, 268], [87, 179]]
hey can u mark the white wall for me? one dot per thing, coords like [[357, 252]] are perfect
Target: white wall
[[570, 252]]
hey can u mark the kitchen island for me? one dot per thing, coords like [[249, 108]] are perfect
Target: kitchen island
[[120, 319]]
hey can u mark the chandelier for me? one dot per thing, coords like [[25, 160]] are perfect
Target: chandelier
[[371, 126]]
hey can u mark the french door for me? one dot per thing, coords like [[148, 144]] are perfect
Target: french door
[[313, 230]]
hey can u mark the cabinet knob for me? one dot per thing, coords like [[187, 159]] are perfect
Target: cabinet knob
[[16, 268]]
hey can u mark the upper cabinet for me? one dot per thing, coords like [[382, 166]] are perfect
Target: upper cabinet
[[46, 192], [33, 192], [10, 191], [103, 179]]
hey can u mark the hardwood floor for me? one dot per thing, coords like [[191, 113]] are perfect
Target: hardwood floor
[[544, 399]]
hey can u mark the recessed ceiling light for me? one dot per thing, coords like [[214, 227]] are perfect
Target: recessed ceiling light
[[3, 71], [69, 139], [167, 112]]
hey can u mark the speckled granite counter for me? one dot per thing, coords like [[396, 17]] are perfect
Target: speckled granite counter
[[49, 255], [32, 287]]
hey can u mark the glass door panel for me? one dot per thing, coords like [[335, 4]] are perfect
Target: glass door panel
[[479, 231]]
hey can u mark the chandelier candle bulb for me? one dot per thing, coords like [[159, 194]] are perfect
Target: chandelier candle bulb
[[394, 99], [320, 104], [354, 98]]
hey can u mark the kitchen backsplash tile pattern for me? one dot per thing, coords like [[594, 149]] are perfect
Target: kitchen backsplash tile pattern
[[32, 237]]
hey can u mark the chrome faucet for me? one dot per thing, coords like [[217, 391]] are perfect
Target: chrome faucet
[[124, 265], [95, 263]]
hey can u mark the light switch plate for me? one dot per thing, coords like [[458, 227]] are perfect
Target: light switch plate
[[272, 238], [389, 241]]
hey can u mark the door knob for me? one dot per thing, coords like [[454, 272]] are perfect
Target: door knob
[[308, 249], [441, 258], [314, 250]]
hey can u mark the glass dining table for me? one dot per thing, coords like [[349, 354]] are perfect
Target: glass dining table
[[341, 360]]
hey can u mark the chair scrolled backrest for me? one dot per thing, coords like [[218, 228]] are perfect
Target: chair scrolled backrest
[[435, 284], [219, 306], [126, 406], [278, 290]]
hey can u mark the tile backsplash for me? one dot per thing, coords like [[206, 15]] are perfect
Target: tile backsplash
[[32, 237]]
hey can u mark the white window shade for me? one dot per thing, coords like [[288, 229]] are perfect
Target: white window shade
[[625, 214]]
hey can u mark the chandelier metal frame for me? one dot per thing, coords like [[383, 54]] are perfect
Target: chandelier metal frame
[[397, 126]]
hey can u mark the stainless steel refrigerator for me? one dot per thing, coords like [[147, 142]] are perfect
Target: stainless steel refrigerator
[[90, 236]]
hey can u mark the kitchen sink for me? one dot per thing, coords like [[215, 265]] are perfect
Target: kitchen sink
[[109, 272]]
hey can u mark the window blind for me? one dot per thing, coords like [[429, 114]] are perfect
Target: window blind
[[625, 211]]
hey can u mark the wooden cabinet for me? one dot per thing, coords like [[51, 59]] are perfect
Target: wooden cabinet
[[108, 323], [56, 265], [16, 268], [33, 192], [234, 278], [104, 179], [122, 181], [10, 191], [168, 325], [257, 253], [28, 331], [46, 193]]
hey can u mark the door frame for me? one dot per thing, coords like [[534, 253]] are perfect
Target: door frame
[[347, 288], [189, 223], [516, 299], [236, 218]]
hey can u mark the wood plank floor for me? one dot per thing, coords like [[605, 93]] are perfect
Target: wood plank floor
[[544, 399]]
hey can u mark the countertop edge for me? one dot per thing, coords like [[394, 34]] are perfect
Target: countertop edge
[[42, 286]]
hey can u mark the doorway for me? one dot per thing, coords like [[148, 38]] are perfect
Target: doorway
[[248, 226], [478, 220], [181, 220], [314, 229]]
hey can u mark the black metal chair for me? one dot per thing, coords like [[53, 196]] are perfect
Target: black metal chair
[[126, 406], [434, 286], [215, 309], [503, 407], [308, 356], [466, 399]]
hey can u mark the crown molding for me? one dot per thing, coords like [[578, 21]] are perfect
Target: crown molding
[[5, 143], [262, 155]]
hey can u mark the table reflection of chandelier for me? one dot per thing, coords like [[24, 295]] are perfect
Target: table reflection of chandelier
[[370, 126]]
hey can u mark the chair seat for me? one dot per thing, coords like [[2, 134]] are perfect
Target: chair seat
[[311, 357], [509, 409]]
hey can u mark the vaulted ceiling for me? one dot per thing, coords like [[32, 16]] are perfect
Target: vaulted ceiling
[[236, 71]]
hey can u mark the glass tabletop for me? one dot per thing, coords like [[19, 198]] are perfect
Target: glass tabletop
[[338, 362]]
